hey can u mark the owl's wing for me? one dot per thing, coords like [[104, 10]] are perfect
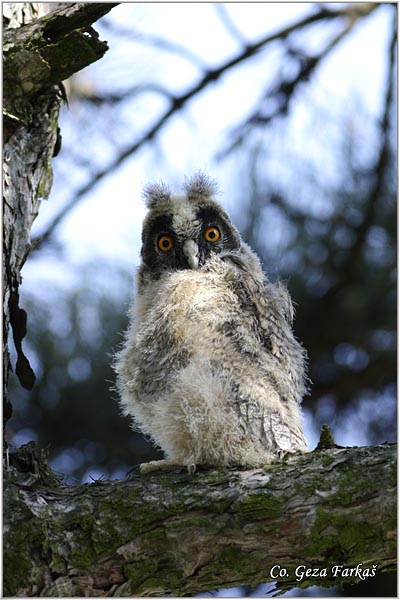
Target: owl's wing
[[268, 297], [272, 308]]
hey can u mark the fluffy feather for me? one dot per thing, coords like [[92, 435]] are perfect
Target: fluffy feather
[[200, 185], [210, 368], [155, 194]]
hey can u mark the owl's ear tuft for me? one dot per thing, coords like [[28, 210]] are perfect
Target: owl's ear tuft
[[156, 193], [200, 185]]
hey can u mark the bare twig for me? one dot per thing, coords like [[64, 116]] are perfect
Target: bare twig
[[283, 93], [228, 23], [123, 95]]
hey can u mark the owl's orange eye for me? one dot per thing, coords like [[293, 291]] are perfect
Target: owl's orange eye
[[212, 234], [165, 243]]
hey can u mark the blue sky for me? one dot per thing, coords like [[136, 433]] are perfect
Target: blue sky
[[354, 73]]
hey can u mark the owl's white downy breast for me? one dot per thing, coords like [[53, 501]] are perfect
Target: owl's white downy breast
[[210, 368]]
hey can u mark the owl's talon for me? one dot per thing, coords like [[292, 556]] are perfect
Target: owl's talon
[[158, 465], [133, 471], [191, 469]]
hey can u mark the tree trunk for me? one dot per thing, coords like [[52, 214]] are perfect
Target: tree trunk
[[38, 54], [170, 533]]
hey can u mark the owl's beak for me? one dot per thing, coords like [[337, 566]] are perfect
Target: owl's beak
[[191, 251]]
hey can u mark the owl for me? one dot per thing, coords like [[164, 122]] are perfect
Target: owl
[[209, 368]]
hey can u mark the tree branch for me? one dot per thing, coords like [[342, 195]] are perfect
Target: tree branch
[[46, 51], [170, 533], [114, 98]]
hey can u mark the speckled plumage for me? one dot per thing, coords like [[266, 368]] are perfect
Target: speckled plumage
[[210, 368]]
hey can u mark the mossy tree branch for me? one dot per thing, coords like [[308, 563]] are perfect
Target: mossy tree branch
[[170, 533]]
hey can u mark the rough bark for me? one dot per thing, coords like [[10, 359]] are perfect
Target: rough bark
[[169, 533], [38, 54]]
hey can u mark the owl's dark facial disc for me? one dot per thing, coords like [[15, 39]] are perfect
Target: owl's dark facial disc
[[186, 236], [217, 233]]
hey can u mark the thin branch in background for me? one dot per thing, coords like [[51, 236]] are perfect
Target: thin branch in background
[[282, 93], [377, 188], [160, 43], [228, 23], [253, 207], [129, 93], [352, 12]]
